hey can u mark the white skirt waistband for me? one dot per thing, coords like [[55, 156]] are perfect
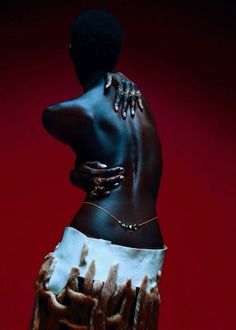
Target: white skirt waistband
[[133, 263]]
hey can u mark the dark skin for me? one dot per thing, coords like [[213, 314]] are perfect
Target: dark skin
[[94, 131], [85, 175]]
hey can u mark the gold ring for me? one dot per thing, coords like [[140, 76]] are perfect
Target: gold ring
[[124, 93], [98, 181], [95, 190], [132, 93]]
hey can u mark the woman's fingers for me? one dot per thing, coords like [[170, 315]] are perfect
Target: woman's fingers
[[140, 103], [139, 98], [119, 96], [99, 191], [132, 107], [105, 185], [105, 173], [127, 94], [95, 164], [112, 79], [108, 80], [126, 91], [96, 179], [95, 169], [94, 195], [132, 100], [110, 182]]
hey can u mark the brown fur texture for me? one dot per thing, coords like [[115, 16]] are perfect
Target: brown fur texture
[[94, 305]]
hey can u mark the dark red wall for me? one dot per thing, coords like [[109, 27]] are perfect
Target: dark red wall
[[183, 59]]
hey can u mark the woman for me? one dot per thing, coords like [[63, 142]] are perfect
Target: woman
[[105, 271]]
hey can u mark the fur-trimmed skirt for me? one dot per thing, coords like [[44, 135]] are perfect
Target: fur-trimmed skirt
[[89, 283]]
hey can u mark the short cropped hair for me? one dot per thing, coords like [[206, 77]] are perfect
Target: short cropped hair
[[95, 41]]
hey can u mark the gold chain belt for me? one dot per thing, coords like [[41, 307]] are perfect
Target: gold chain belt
[[123, 225]]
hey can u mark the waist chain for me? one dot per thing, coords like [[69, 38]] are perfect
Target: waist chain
[[123, 225]]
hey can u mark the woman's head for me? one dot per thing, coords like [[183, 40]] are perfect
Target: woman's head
[[95, 42]]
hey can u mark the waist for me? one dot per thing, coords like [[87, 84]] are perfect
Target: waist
[[96, 223], [130, 207]]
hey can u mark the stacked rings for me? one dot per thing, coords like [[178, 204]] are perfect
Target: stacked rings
[[97, 182], [131, 93]]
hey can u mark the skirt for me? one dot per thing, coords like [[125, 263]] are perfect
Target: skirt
[[90, 283]]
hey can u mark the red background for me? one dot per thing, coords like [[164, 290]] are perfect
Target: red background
[[183, 58]]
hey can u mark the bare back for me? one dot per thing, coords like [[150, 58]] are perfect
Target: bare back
[[132, 143]]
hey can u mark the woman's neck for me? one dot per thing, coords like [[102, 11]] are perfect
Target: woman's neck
[[92, 80]]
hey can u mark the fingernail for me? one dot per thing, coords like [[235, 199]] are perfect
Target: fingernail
[[124, 114], [121, 176], [121, 168], [103, 165], [132, 112], [116, 107], [116, 184]]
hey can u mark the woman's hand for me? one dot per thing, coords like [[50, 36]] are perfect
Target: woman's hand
[[96, 179], [127, 94]]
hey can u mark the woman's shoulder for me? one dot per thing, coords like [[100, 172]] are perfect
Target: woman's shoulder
[[74, 107], [62, 120]]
